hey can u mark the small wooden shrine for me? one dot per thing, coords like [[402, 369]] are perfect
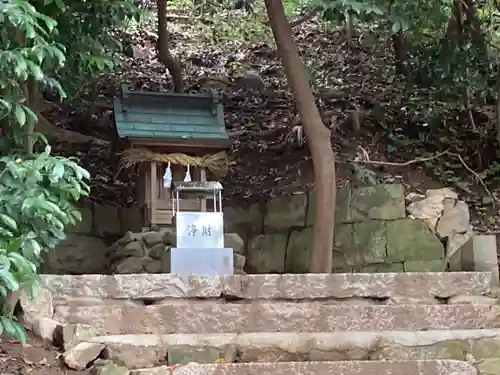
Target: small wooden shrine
[[172, 137]]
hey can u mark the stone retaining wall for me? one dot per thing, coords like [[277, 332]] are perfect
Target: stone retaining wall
[[373, 234]]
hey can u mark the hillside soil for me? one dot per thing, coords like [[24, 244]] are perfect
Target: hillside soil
[[269, 157], [34, 358]]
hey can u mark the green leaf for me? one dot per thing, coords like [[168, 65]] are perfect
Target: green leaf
[[32, 247], [77, 215], [3, 293], [20, 116], [24, 266], [356, 7], [5, 104], [8, 221], [4, 264], [14, 245], [58, 234], [50, 23], [51, 207], [396, 27], [28, 204], [19, 332], [21, 68], [13, 328], [30, 115], [60, 4], [9, 280], [58, 171], [39, 137], [36, 71], [29, 31]]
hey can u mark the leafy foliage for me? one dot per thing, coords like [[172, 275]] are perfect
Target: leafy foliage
[[87, 30], [44, 42], [37, 200], [28, 54]]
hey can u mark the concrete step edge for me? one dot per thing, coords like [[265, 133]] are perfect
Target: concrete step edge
[[137, 351], [320, 368], [270, 286], [278, 317], [293, 341]]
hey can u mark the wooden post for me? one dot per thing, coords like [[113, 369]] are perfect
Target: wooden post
[[154, 192], [203, 177]]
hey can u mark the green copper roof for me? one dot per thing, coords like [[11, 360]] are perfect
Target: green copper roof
[[169, 116]]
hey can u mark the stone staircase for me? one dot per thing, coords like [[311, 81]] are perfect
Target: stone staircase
[[343, 324]]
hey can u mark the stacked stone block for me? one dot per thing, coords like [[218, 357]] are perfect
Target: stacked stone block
[[372, 233], [149, 252]]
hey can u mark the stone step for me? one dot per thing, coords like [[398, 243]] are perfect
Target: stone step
[[157, 287], [137, 351], [320, 368], [277, 317]]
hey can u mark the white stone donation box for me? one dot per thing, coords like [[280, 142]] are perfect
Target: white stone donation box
[[199, 229], [200, 247]]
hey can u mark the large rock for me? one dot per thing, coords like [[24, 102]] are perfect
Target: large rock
[[250, 80], [438, 265], [73, 334], [456, 241], [149, 252], [409, 239], [77, 254], [285, 212], [428, 209], [107, 367], [360, 243], [382, 267], [440, 210], [142, 252], [235, 242], [298, 251], [380, 202], [81, 355], [455, 219], [370, 241], [245, 221], [266, 253], [489, 366]]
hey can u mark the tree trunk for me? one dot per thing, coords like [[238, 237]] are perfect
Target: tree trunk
[[455, 24], [349, 28], [400, 55], [163, 48], [318, 136], [464, 25], [33, 101], [51, 131]]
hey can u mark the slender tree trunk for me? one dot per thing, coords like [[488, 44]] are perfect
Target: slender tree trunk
[[400, 55], [464, 20], [349, 28], [318, 136], [164, 55]]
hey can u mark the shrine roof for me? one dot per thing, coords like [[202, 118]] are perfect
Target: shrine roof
[[166, 116]]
